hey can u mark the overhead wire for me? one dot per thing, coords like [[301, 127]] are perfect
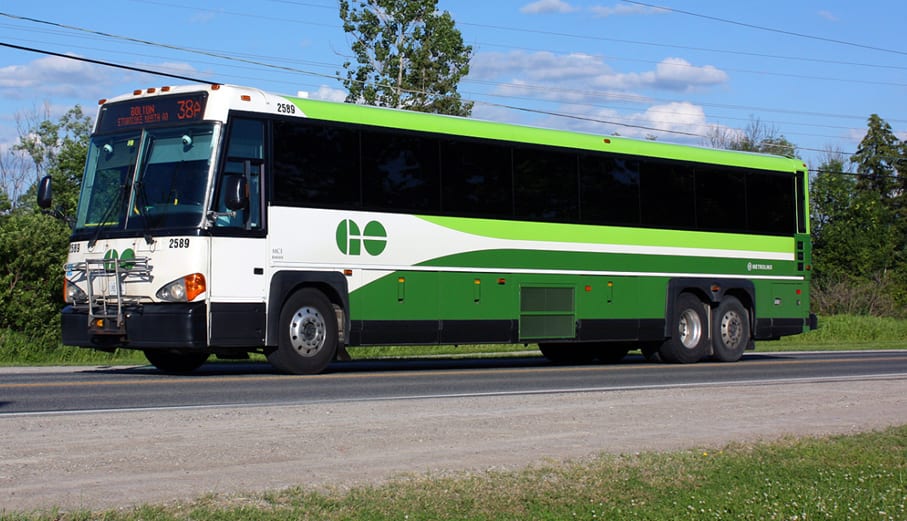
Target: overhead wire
[[768, 29], [260, 63]]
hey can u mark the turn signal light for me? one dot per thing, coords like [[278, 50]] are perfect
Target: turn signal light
[[185, 289]]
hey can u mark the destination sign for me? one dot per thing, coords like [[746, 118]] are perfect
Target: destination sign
[[152, 111]]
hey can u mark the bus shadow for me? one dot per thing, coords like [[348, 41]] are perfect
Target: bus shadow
[[414, 364]]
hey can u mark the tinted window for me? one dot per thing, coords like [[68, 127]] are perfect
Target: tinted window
[[668, 197], [609, 190], [545, 185], [477, 179], [770, 199], [400, 172], [720, 199], [315, 164]]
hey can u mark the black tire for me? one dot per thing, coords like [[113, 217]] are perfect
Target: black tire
[[567, 353], [175, 361], [689, 341], [612, 352], [730, 330], [307, 340]]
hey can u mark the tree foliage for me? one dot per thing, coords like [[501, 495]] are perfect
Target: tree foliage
[[879, 160], [756, 137], [408, 55], [33, 245], [859, 226], [32, 253]]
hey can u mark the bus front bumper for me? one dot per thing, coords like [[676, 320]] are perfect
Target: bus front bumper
[[150, 326]]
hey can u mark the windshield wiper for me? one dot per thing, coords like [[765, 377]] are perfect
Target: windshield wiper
[[114, 203], [142, 200], [141, 196]]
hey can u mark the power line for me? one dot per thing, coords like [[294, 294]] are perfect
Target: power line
[[106, 64], [506, 106], [196, 80], [330, 76], [768, 29], [258, 63]]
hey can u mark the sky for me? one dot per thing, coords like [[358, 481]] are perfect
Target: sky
[[673, 70]]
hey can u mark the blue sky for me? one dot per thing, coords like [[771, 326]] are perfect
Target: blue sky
[[813, 70]]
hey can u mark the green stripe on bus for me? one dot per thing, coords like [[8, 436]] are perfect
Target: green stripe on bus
[[576, 233]]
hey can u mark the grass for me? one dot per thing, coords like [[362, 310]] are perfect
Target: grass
[[859, 477], [835, 333]]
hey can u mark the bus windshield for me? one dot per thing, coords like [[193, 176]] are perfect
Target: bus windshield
[[146, 180]]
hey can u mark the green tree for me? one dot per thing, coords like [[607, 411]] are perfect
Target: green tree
[[58, 149], [756, 137], [32, 253], [33, 245], [408, 55], [878, 159], [853, 244], [852, 232], [68, 164], [5, 203]]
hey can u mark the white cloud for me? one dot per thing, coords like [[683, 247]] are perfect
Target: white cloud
[[675, 117], [49, 76], [674, 74], [329, 94], [828, 15], [547, 6], [669, 121], [552, 75], [537, 66], [624, 9], [679, 74], [604, 100]]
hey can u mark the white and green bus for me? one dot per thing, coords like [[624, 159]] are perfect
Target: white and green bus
[[225, 220]]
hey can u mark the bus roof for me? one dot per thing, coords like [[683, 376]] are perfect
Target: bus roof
[[222, 98]]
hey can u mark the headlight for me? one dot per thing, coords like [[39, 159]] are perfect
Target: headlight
[[185, 289], [73, 294]]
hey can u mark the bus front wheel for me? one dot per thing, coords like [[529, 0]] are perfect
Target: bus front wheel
[[308, 334], [689, 341]]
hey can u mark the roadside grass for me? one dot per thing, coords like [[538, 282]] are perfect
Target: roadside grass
[[857, 477], [835, 333]]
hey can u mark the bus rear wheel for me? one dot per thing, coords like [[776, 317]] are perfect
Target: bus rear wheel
[[175, 361], [731, 330], [308, 334], [689, 341]]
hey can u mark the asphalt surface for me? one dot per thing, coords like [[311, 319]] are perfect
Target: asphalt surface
[[91, 389], [115, 437]]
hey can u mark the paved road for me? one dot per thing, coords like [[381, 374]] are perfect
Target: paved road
[[109, 438], [221, 385]]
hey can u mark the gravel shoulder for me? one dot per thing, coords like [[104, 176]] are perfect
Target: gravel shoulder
[[119, 459]]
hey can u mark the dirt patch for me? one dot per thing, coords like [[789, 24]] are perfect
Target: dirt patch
[[119, 459]]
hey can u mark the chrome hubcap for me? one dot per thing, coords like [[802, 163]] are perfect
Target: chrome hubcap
[[307, 331], [731, 329], [690, 328]]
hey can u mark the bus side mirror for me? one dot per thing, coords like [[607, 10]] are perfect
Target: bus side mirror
[[236, 193], [45, 193]]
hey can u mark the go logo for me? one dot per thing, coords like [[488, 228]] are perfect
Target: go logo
[[350, 239], [126, 260]]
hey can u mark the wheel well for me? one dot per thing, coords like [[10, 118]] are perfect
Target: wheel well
[[332, 285], [711, 292]]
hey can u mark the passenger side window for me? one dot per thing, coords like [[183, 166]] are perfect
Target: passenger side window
[[245, 158]]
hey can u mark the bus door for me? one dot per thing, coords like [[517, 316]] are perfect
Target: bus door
[[238, 283]]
